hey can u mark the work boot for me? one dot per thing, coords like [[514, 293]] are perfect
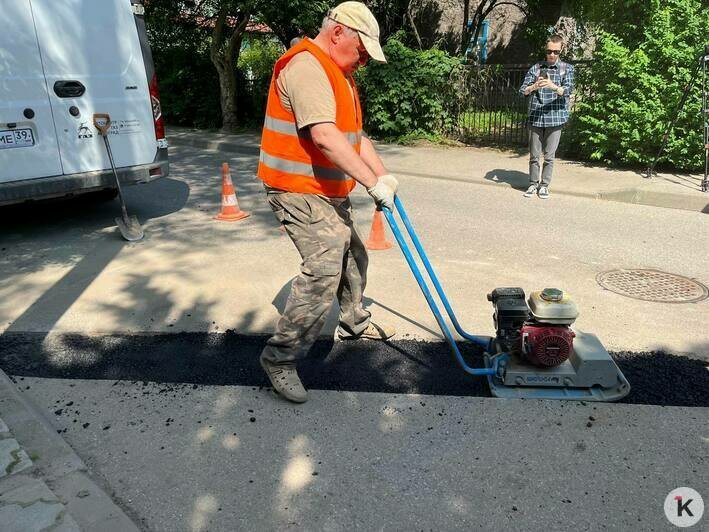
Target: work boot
[[543, 192], [285, 380], [373, 331], [530, 191]]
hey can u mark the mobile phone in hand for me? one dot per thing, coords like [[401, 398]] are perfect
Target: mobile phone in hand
[[544, 74]]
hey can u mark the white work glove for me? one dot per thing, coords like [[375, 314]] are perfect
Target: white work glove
[[382, 194], [390, 181]]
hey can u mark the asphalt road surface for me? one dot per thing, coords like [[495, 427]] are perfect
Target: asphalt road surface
[[145, 359], [395, 367], [183, 431]]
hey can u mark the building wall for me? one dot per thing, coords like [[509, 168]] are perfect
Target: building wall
[[504, 22], [506, 42]]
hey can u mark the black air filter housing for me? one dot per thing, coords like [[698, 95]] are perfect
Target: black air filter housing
[[511, 311]]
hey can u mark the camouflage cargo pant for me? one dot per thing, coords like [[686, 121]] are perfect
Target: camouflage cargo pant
[[334, 266]]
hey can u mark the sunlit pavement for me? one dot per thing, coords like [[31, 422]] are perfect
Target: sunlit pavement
[[184, 435]]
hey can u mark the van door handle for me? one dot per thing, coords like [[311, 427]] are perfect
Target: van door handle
[[69, 89]]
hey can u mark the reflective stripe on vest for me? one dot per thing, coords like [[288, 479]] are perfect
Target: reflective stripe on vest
[[290, 160], [289, 128], [293, 167]]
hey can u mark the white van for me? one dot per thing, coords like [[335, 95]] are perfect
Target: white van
[[61, 61]]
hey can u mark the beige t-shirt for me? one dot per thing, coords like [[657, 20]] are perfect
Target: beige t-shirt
[[305, 90]]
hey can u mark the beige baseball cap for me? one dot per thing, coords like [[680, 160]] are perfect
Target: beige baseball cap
[[357, 16]]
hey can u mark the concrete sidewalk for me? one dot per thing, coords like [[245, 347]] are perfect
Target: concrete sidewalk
[[44, 485], [498, 168]]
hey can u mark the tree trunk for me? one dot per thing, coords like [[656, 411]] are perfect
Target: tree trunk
[[413, 25], [464, 32], [482, 11], [476, 21], [227, 89], [224, 59]]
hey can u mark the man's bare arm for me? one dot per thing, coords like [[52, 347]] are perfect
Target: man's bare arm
[[333, 144], [371, 157]]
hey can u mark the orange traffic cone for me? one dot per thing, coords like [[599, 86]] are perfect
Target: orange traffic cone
[[230, 207], [377, 239]]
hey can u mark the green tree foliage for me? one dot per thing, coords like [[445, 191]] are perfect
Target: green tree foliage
[[293, 18], [212, 29], [390, 15], [189, 89], [626, 19], [636, 83], [187, 35], [257, 59], [256, 65], [409, 94], [542, 16], [395, 16]]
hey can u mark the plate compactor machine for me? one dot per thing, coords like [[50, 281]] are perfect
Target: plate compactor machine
[[535, 352]]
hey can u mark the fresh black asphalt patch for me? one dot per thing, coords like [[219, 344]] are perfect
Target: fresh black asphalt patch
[[403, 366]]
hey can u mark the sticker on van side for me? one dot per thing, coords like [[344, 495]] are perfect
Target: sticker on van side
[[118, 127], [84, 131], [125, 127]]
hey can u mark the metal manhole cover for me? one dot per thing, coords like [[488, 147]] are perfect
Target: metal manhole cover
[[653, 285]]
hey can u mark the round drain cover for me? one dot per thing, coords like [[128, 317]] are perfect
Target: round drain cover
[[653, 285]]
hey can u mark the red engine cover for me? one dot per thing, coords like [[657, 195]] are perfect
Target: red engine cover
[[547, 345]]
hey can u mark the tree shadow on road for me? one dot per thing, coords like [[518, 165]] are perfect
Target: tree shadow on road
[[225, 358], [51, 252]]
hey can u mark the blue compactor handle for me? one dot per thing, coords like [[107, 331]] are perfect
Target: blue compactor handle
[[482, 341]]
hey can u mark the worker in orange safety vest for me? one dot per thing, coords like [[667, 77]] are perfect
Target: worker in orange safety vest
[[313, 153]]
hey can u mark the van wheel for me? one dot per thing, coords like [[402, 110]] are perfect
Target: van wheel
[[107, 194]]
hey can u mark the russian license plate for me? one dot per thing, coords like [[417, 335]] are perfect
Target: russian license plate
[[16, 138]]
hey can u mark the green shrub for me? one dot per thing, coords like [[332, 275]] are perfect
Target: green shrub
[[189, 85], [409, 95], [189, 88], [633, 92], [255, 66]]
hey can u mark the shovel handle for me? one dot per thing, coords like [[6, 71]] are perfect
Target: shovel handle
[[99, 119]]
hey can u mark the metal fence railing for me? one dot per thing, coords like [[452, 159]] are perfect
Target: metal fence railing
[[489, 109]]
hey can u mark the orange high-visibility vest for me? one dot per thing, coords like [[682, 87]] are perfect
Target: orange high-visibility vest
[[289, 158]]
